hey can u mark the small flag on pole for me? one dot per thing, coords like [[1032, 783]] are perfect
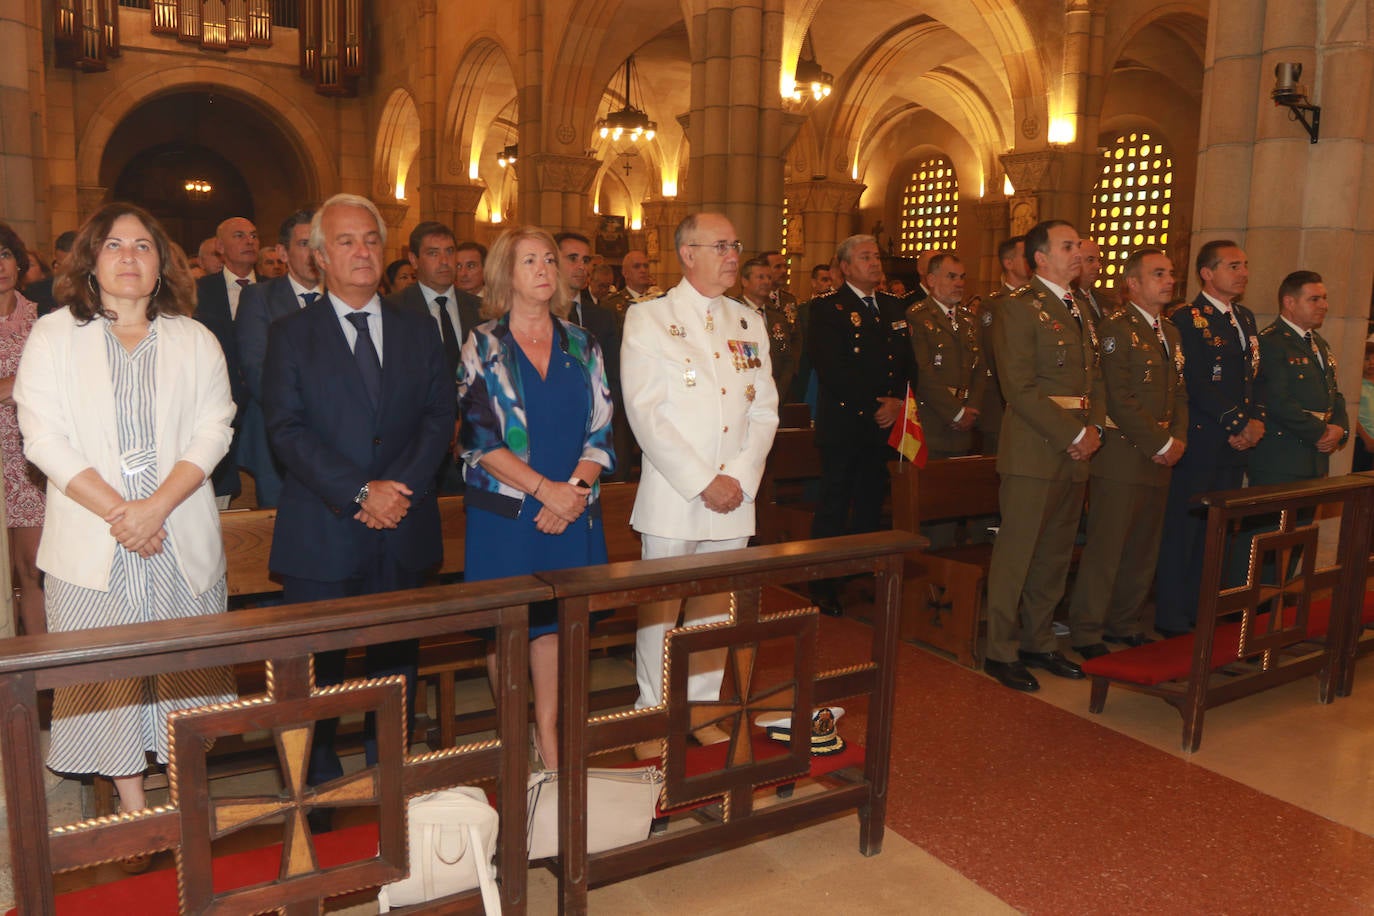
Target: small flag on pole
[[907, 436]]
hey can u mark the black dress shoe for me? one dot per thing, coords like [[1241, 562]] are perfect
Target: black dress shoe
[[1052, 662], [1093, 650], [1012, 674], [1170, 634], [1135, 640]]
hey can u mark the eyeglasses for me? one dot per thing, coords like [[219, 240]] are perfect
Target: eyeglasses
[[722, 248]]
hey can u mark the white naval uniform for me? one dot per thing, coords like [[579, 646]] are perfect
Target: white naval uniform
[[701, 403]]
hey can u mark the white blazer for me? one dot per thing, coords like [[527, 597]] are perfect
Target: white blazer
[[701, 403], [66, 407]]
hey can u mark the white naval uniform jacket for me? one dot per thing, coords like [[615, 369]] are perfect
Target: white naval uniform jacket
[[701, 403]]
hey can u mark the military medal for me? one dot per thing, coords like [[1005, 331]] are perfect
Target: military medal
[[689, 377], [749, 392], [1149, 375], [855, 320], [675, 330], [939, 360], [1199, 322], [710, 321], [1216, 372]]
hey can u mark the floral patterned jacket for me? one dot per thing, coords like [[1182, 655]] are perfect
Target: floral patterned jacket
[[491, 402]]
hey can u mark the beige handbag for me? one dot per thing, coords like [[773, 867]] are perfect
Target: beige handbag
[[620, 808], [452, 839]]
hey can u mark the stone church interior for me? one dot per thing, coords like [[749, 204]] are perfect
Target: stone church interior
[[929, 125]]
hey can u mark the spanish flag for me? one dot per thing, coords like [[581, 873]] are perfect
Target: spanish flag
[[907, 436]]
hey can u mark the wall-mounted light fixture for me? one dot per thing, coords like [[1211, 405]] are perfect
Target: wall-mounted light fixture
[[1293, 95]]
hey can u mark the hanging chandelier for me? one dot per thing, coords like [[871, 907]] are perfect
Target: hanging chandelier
[[508, 155], [628, 120], [810, 76]]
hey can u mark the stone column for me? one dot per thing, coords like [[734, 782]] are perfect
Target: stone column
[[23, 170], [735, 127], [991, 216], [660, 221], [456, 206], [1290, 203], [89, 200], [553, 189], [827, 209], [394, 215]]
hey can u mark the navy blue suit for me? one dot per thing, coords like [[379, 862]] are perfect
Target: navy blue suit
[[259, 306], [212, 310], [1222, 399], [412, 299], [330, 440]]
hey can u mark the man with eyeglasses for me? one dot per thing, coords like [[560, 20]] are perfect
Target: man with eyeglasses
[[698, 388], [857, 341]]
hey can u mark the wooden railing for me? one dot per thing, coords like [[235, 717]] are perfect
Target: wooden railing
[[1289, 618], [285, 637]]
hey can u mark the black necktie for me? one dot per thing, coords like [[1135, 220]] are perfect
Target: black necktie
[[446, 331], [1311, 342], [1073, 309], [577, 311], [310, 298], [369, 365], [244, 282], [872, 305]]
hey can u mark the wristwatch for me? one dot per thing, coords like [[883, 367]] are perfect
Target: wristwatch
[[579, 483], [362, 495]]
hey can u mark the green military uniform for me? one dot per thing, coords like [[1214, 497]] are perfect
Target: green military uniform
[[993, 404], [1048, 367], [950, 375], [1147, 405], [1302, 398], [784, 340], [620, 300], [626, 448]]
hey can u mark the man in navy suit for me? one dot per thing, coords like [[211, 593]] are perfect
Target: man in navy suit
[[859, 346], [217, 302], [453, 313], [1225, 421], [259, 306], [359, 409]]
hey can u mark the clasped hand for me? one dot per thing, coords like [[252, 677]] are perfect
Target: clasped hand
[[723, 494], [1087, 446], [387, 503], [137, 525], [563, 503]]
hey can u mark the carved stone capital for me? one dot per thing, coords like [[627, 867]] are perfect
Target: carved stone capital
[[393, 212], [459, 198], [822, 194], [990, 213], [1028, 171], [664, 212], [551, 172]]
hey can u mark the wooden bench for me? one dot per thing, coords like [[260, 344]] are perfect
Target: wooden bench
[[785, 510], [1286, 621], [943, 592]]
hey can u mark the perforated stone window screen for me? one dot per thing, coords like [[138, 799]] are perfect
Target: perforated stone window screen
[[930, 207], [1132, 200]]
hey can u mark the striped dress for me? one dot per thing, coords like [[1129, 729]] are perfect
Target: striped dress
[[108, 727]]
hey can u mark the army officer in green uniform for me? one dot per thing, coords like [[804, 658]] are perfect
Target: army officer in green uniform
[[1048, 365], [1307, 418], [1147, 429], [780, 320], [950, 376]]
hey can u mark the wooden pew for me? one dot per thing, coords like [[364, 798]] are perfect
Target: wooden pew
[[784, 513], [943, 592]]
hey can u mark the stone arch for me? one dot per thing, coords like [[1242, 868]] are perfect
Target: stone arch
[[483, 86], [1181, 17], [294, 122], [398, 140]]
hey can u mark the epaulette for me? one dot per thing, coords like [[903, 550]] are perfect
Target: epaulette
[[739, 302], [1268, 330], [1020, 290]]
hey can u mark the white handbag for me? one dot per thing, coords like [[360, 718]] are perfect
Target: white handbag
[[620, 808], [452, 840]]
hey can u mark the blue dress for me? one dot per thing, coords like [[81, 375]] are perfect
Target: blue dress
[[556, 411]]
